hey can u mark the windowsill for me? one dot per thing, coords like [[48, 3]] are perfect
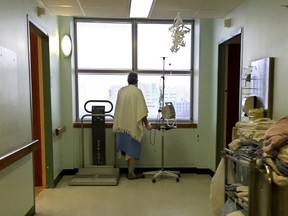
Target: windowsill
[[183, 124]]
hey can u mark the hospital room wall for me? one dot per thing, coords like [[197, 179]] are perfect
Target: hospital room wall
[[17, 179], [183, 147], [265, 33], [264, 27], [68, 93]]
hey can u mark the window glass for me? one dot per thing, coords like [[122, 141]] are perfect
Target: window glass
[[106, 87], [104, 45], [154, 43], [105, 57], [98, 87]]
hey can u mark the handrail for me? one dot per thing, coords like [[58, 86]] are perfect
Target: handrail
[[13, 156], [98, 101]]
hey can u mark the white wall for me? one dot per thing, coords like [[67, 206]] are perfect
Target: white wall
[[265, 35], [16, 185]]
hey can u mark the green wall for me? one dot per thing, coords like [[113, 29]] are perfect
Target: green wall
[[183, 147]]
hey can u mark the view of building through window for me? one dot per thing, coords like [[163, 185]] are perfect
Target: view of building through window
[[103, 87], [107, 51]]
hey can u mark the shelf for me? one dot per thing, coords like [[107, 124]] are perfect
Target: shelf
[[243, 206], [244, 79], [239, 175], [242, 160]]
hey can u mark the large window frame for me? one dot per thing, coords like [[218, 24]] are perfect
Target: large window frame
[[159, 72]]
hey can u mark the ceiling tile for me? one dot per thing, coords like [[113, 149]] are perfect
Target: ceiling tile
[[179, 4], [222, 5], [163, 9], [115, 4], [171, 14], [48, 3], [65, 11], [105, 13]]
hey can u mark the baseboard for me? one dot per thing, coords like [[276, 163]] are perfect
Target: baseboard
[[205, 172], [180, 169], [198, 171], [69, 171], [31, 212], [63, 173]]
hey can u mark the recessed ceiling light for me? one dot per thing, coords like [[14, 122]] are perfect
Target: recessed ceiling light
[[140, 8]]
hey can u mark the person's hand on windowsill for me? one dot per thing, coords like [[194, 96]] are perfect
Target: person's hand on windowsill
[[149, 126]]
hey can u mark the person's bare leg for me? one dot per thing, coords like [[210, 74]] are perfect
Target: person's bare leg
[[131, 162]]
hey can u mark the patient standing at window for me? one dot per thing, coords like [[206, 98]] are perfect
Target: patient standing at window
[[130, 118]]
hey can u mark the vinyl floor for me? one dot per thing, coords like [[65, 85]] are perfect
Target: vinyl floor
[[141, 197]]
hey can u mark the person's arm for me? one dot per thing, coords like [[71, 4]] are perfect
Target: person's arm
[[146, 122]]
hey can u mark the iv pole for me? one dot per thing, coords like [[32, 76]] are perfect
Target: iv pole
[[162, 128]]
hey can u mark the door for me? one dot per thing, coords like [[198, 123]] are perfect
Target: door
[[232, 90], [38, 110], [41, 104]]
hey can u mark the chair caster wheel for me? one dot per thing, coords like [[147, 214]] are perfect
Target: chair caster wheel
[[154, 180], [177, 179]]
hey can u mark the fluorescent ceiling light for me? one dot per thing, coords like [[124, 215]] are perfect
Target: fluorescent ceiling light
[[140, 8]]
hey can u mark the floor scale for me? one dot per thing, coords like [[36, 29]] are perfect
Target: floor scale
[[98, 173]]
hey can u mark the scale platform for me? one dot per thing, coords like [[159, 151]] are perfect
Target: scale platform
[[96, 175]]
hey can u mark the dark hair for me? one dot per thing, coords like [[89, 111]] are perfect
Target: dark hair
[[132, 78]]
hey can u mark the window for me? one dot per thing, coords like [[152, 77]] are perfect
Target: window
[[107, 50], [154, 42]]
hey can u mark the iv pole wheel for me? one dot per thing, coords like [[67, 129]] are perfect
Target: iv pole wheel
[[153, 180], [177, 179]]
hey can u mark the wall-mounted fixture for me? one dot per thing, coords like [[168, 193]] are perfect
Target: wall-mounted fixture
[[66, 45], [258, 82], [60, 130], [41, 11], [227, 23]]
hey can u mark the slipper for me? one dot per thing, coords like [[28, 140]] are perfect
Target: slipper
[[137, 176]]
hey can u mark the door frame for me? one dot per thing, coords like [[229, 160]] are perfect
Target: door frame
[[222, 94], [46, 145]]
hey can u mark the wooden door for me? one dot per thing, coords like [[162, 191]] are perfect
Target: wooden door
[[38, 108]]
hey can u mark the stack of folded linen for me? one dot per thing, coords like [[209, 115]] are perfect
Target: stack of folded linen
[[274, 152]]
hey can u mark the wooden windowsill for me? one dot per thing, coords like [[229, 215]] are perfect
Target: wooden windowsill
[[110, 124]]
